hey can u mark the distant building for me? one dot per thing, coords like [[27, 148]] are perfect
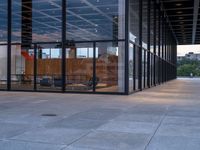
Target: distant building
[[190, 56]]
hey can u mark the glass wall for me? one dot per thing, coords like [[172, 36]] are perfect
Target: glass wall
[[94, 46], [3, 44]]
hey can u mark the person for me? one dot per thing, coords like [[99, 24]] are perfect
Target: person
[[191, 75]]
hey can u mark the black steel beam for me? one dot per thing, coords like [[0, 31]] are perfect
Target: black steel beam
[[195, 20]]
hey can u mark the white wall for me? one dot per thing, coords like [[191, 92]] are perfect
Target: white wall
[[3, 62]]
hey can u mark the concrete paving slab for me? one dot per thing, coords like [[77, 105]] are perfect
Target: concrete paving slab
[[174, 143], [182, 121], [139, 118], [148, 109], [97, 114], [20, 145], [99, 140], [179, 130], [73, 123], [167, 114], [129, 127], [52, 136], [8, 130]]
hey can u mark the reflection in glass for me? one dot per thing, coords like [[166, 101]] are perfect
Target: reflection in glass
[[46, 20], [131, 67], [95, 20]]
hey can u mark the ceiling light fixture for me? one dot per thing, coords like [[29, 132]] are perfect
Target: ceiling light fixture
[[178, 4], [179, 12]]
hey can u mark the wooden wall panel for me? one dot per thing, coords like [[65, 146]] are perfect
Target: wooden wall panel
[[80, 69]]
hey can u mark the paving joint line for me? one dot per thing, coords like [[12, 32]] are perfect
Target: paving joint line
[[161, 121], [79, 138]]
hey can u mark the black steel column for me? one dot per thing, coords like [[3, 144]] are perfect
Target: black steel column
[[35, 67], [140, 44], [163, 31], [26, 24], [64, 13], [148, 42], [127, 47], [159, 36], [94, 67], [154, 61], [9, 25]]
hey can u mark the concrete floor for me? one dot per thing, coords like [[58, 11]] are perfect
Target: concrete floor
[[166, 117]]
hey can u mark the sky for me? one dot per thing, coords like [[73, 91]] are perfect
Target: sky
[[184, 49]]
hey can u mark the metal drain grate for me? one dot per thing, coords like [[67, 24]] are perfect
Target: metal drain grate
[[49, 115]]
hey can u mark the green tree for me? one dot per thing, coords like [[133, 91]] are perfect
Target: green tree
[[186, 67]]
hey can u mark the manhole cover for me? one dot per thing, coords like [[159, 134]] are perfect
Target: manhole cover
[[49, 115]]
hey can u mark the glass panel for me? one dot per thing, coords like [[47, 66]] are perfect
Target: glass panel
[[136, 68], [157, 69], [153, 69], [146, 69], [46, 20], [157, 31], [152, 27], [95, 20], [79, 67], [143, 66], [3, 44], [21, 68], [131, 67], [134, 21], [150, 69], [22, 51], [144, 23], [49, 75], [110, 67]]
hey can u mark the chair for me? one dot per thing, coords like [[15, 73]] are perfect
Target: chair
[[57, 82], [45, 82]]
